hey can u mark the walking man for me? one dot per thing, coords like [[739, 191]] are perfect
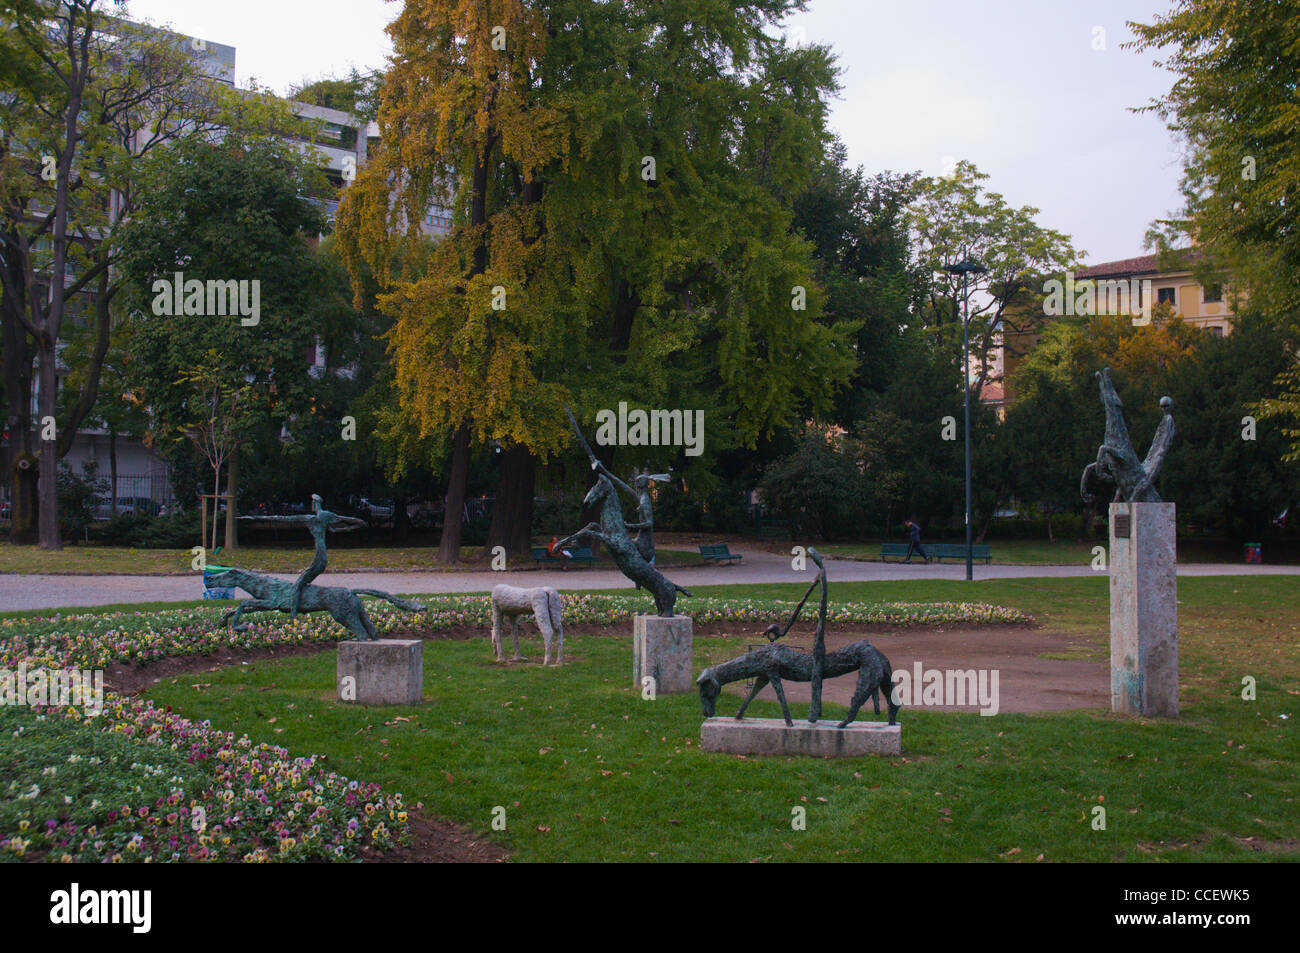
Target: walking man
[[914, 541]]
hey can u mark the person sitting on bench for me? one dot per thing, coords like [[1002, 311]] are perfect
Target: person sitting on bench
[[563, 555]]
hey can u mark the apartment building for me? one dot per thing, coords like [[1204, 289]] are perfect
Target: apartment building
[[1144, 284]]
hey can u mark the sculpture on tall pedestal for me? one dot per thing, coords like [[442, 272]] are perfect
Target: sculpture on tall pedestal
[[1143, 565]]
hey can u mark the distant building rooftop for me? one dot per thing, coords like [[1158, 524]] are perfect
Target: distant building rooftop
[[1142, 265]]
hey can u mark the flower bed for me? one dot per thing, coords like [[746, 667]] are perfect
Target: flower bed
[[137, 783], [97, 640]]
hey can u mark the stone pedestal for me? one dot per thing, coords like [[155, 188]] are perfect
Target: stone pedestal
[[1143, 610], [663, 649], [382, 672], [822, 739]]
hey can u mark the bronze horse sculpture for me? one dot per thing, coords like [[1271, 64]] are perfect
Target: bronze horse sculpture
[[612, 532], [774, 662], [1117, 462]]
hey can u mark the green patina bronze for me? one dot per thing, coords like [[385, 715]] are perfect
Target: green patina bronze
[[629, 555], [271, 594], [1117, 463], [773, 663]]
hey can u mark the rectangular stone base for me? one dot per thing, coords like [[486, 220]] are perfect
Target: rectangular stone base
[[823, 739], [1144, 609], [662, 648], [382, 672]]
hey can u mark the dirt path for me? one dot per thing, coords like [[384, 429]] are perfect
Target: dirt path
[[1027, 682]]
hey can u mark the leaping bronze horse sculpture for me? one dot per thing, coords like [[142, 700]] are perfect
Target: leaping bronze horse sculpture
[[1117, 462], [612, 530]]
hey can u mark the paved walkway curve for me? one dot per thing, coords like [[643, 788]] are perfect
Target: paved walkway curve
[[23, 592]]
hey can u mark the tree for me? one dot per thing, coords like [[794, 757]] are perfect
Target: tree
[[622, 227], [857, 225], [357, 93], [953, 218], [218, 416], [1233, 103], [232, 216], [818, 487], [88, 95]]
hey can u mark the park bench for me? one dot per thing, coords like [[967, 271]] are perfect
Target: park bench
[[942, 551], [719, 554], [578, 554], [938, 551]]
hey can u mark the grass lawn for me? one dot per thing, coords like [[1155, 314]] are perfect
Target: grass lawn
[[115, 560], [587, 770]]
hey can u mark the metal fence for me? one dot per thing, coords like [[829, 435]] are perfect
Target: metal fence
[[145, 493]]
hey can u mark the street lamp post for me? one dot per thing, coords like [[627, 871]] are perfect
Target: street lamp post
[[966, 267]]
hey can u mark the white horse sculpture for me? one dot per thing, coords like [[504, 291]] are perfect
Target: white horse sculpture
[[510, 602]]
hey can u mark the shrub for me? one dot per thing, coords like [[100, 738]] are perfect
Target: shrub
[[78, 496]]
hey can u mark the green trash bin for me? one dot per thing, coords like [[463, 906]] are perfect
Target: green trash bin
[[1254, 553]]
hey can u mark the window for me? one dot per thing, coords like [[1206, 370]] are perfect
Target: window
[[1213, 293], [1164, 295], [1216, 330]]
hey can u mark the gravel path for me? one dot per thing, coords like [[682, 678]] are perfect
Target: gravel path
[[20, 592]]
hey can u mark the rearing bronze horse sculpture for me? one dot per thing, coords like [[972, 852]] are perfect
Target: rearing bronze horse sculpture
[[612, 530]]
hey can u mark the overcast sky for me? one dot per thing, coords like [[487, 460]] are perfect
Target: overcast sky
[[1037, 93]]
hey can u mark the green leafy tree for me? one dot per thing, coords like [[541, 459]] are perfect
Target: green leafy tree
[[817, 489], [955, 217], [357, 93], [623, 228], [1233, 104], [86, 96], [232, 212]]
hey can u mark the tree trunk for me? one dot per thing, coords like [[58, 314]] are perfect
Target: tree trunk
[[454, 510], [47, 488], [512, 514], [232, 488], [19, 463], [23, 483]]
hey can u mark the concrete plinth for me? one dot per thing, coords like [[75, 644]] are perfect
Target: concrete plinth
[[822, 739], [1143, 610], [382, 672], [663, 649]]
